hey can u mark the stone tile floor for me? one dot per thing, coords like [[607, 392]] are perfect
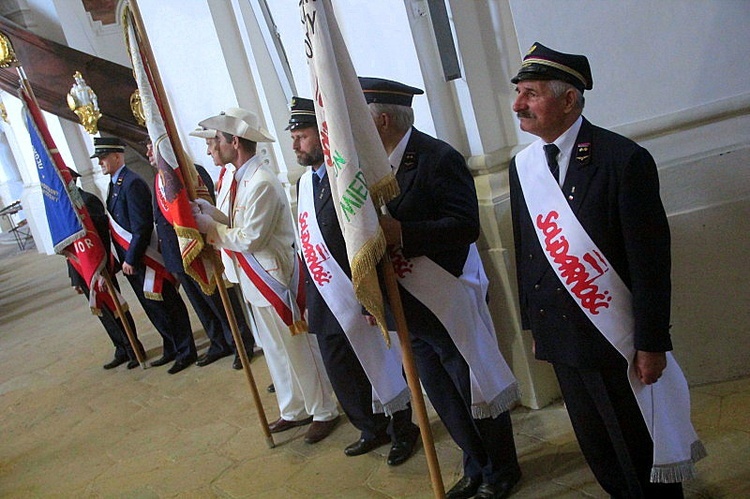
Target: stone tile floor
[[70, 429]]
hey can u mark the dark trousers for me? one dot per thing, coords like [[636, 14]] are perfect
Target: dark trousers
[[611, 432], [169, 316], [116, 330], [354, 391], [213, 317], [488, 445]]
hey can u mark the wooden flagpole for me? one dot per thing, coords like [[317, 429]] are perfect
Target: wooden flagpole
[[158, 88], [139, 354]]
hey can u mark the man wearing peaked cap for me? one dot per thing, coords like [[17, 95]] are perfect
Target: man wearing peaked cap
[[380, 91], [434, 223], [599, 191], [129, 204], [363, 371], [253, 223], [106, 145], [542, 63]]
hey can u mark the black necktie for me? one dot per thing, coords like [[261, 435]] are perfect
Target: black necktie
[[551, 151], [316, 185]]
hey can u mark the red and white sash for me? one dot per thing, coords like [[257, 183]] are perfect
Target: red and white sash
[[605, 299], [459, 304], [381, 364], [156, 273], [288, 301]]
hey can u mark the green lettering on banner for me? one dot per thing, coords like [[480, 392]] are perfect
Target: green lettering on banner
[[354, 196]]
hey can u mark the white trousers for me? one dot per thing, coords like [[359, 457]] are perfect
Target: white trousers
[[299, 377]]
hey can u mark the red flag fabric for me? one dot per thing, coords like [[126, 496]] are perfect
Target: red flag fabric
[[173, 177]]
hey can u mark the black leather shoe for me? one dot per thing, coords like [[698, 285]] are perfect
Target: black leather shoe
[[271, 389], [114, 363], [465, 488], [132, 364], [365, 445], [181, 364], [402, 450], [164, 359], [210, 358], [237, 364], [499, 490]]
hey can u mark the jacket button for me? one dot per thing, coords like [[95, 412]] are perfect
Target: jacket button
[[541, 312], [537, 286], [531, 257], [558, 289], [565, 317]]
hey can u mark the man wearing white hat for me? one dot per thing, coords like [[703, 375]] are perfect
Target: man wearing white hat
[[257, 231]]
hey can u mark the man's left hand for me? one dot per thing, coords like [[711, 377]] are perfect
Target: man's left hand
[[392, 230], [128, 269], [649, 366]]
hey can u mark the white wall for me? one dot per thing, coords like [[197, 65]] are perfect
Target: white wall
[[648, 58]]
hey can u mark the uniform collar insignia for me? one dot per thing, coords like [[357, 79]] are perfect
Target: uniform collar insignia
[[409, 161], [583, 153]]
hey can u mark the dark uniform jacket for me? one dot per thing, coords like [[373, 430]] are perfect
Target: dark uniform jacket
[[129, 203], [437, 206], [613, 189], [320, 319]]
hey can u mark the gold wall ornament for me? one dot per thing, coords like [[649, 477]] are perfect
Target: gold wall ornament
[[83, 101], [7, 54], [136, 105], [3, 112]]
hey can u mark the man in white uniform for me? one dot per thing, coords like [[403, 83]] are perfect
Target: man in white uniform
[[253, 222]]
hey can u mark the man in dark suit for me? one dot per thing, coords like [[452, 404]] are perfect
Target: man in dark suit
[[345, 370], [112, 324], [129, 204], [209, 308], [610, 185], [436, 216]]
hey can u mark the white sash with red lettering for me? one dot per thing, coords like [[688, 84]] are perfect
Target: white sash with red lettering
[[607, 302], [459, 304], [287, 301], [156, 273], [381, 364]]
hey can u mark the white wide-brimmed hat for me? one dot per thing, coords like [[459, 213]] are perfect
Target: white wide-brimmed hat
[[239, 122], [204, 133]]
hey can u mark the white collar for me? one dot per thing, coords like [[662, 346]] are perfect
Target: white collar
[[565, 143], [398, 152], [242, 169]]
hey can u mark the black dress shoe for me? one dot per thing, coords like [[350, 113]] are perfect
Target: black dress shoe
[[401, 450], [499, 490], [271, 389], [210, 358], [365, 445], [164, 359], [181, 364], [117, 361], [237, 364], [132, 364], [465, 488]]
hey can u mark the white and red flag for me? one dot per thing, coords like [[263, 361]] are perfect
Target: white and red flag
[[173, 171], [360, 174]]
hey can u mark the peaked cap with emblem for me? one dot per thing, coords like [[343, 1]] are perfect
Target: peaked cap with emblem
[[381, 91], [239, 122], [542, 63], [302, 113], [106, 145]]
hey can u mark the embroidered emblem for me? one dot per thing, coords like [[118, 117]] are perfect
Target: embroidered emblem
[[409, 161], [583, 152]]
